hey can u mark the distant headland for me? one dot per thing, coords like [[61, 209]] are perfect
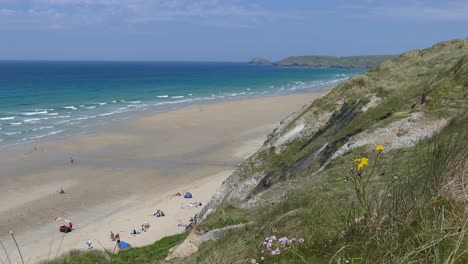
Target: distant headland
[[349, 62], [258, 60]]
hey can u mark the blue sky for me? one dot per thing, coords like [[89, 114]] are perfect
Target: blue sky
[[222, 30]]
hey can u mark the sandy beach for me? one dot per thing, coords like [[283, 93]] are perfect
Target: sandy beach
[[125, 170]]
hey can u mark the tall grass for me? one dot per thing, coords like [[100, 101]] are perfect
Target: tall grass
[[148, 254], [414, 220]]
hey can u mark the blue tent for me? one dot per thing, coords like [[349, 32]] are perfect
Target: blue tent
[[124, 245], [187, 195]]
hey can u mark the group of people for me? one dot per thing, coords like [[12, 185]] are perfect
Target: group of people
[[145, 226], [195, 204], [115, 237], [159, 213]]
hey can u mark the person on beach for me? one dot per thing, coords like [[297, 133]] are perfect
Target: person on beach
[[70, 225], [89, 243], [159, 213], [72, 162], [117, 237], [61, 190], [112, 236]]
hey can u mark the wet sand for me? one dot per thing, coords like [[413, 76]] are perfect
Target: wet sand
[[127, 169]]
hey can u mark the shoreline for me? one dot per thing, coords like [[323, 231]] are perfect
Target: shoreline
[[126, 170], [90, 125]]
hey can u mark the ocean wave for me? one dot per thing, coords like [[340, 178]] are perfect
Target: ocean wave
[[10, 133], [52, 114], [70, 107], [45, 135], [90, 107], [162, 96], [16, 124], [35, 113], [177, 96], [42, 128], [173, 102], [102, 103], [32, 120], [55, 117], [84, 118], [236, 94], [106, 114], [62, 122], [114, 102], [7, 118], [134, 102]]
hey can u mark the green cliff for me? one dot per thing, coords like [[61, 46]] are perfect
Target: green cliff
[[406, 204], [362, 62], [320, 191]]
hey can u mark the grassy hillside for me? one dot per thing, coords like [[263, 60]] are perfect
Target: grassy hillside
[[362, 62], [408, 204], [373, 172]]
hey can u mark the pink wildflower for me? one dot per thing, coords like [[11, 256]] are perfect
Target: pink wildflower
[[253, 261]]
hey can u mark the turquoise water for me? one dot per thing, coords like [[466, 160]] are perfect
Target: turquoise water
[[39, 99]]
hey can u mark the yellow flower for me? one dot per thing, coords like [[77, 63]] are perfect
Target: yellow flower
[[357, 160], [360, 166], [380, 148], [364, 161]]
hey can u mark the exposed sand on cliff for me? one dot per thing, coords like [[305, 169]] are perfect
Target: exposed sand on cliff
[[127, 169]]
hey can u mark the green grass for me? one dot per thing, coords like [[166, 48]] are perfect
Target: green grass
[[413, 222], [148, 254], [417, 209], [227, 215]]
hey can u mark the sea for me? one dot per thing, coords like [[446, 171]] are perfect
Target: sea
[[40, 99]]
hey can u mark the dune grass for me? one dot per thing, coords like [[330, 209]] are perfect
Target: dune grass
[[412, 220], [148, 254]]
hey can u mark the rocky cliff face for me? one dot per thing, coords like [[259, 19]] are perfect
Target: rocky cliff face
[[396, 103]]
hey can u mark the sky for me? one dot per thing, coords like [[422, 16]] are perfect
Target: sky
[[222, 30]]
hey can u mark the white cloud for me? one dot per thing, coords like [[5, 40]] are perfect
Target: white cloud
[[414, 10], [42, 14]]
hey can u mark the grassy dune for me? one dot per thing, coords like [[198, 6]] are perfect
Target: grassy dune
[[407, 204]]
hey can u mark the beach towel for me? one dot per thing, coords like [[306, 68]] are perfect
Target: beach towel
[[124, 245], [187, 195]]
